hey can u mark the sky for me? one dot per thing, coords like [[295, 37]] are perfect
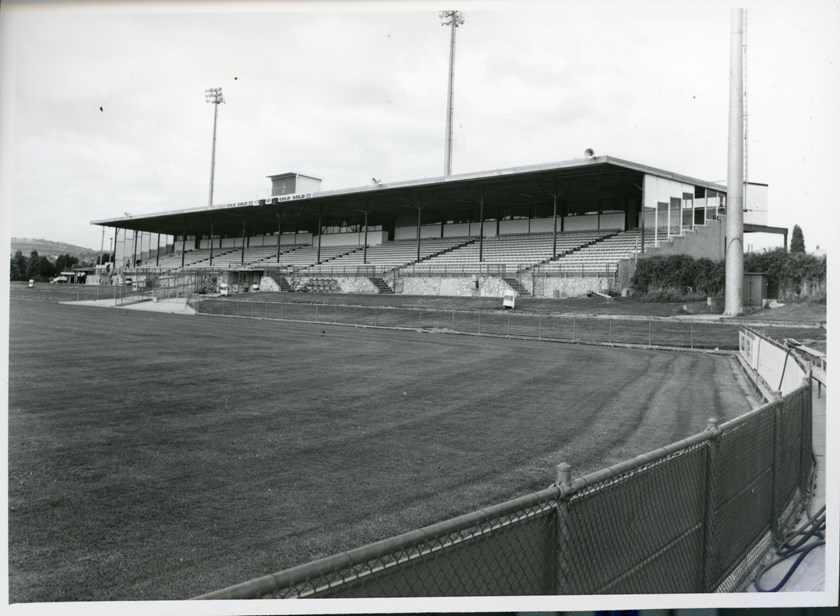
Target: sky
[[351, 91]]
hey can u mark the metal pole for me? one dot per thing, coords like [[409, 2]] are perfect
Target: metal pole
[[364, 250], [554, 233], [157, 251], [214, 96], [453, 19], [735, 171], [481, 227]]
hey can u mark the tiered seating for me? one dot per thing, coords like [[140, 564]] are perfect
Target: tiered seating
[[393, 254], [511, 251], [601, 256], [305, 256]]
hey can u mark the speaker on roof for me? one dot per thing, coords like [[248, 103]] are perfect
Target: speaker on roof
[[589, 152]]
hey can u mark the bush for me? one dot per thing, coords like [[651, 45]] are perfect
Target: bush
[[669, 295], [790, 275], [678, 274]]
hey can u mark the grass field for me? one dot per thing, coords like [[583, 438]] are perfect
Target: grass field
[[156, 456]]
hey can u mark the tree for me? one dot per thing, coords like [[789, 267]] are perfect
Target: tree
[[65, 262], [18, 266], [797, 240], [32, 265]]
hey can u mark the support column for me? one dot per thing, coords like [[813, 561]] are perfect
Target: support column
[[481, 227], [114, 254], [101, 248], [364, 250], [157, 250], [279, 232], [242, 259], [184, 244], [318, 260], [419, 212], [735, 171], [134, 248], [211, 240]]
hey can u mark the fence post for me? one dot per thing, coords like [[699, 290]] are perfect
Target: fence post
[[709, 549], [508, 325], [564, 475]]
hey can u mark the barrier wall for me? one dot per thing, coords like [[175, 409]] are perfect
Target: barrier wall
[[695, 516]]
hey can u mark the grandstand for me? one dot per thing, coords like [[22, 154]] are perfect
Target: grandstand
[[590, 219]]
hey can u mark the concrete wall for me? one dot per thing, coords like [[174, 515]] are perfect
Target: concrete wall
[[464, 286], [563, 287], [703, 242]]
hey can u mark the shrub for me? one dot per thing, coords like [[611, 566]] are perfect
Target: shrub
[[686, 275]]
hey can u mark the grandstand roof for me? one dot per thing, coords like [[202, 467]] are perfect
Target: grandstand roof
[[585, 180]]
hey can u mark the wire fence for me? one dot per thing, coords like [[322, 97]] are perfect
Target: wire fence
[[646, 331], [695, 516]]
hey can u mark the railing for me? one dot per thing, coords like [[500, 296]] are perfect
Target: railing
[[695, 516], [615, 330]]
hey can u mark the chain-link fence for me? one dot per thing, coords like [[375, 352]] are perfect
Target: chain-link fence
[[695, 516], [649, 331], [66, 292]]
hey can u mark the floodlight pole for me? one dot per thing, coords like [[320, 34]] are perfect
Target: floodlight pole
[[453, 19], [214, 96], [734, 304]]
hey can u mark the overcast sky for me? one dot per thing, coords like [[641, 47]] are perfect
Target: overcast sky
[[353, 91]]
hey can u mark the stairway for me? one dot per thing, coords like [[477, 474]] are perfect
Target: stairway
[[283, 283], [381, 285], [514, 284]]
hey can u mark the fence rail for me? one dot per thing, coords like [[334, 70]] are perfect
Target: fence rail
[[625, 330], [695, 516]]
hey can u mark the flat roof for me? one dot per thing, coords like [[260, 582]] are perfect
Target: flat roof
[[588, 179]]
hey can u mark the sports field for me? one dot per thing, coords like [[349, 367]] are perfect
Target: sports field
[[156, 456]]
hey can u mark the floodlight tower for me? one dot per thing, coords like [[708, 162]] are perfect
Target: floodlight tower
[[734, 300], [453, 19], [213, 95]]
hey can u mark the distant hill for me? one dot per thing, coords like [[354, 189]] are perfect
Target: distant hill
[[47, 248]]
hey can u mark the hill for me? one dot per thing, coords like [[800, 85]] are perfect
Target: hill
[[47, 248]]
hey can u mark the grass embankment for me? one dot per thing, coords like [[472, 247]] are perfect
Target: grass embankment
[[159, 457]]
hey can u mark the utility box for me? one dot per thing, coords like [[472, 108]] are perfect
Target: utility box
[[755, 289], [508, 300]]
